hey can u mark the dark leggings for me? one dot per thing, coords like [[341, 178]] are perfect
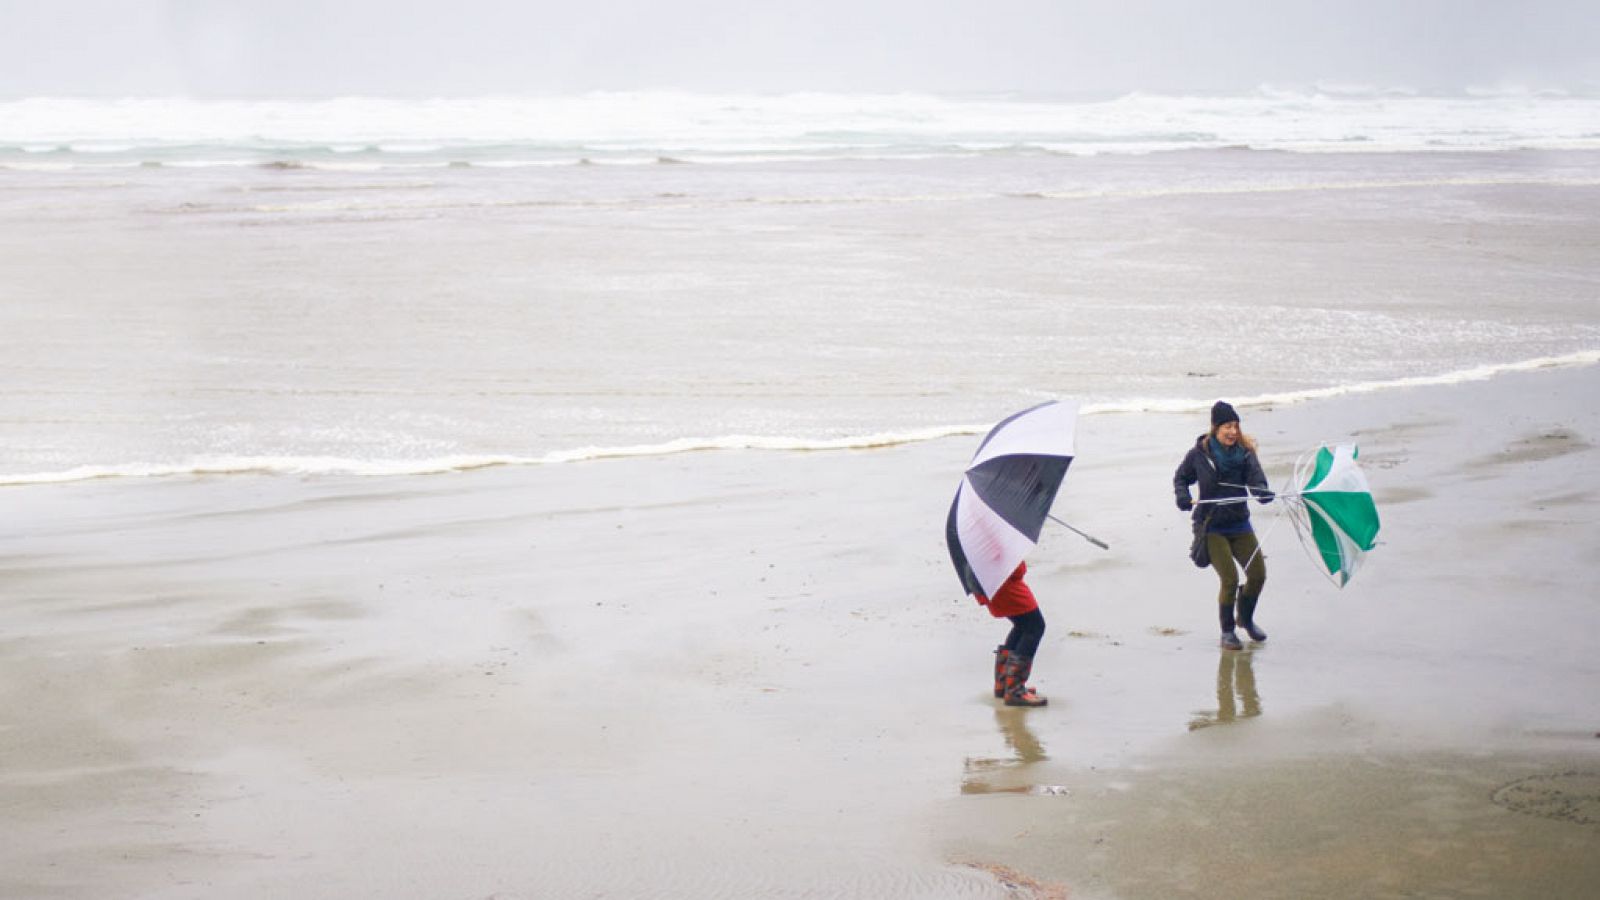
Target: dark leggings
[[1026, 630]]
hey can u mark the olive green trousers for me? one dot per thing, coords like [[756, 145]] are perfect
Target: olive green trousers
[[1226, 549]]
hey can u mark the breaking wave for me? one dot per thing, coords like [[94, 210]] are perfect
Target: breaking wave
[[665, 127]]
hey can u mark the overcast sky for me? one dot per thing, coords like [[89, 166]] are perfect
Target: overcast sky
[[410, 47]]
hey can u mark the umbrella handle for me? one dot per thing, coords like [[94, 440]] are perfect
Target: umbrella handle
[[1088, 537]]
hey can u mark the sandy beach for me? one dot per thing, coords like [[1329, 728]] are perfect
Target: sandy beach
[[751, 674]]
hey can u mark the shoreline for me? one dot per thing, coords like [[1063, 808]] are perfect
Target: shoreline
[[312, 466]]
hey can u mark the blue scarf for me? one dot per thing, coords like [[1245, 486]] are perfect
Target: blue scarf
[[1230, 461]]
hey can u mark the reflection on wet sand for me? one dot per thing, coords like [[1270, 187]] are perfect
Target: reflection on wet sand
[[1005, 775], [1236, 692]]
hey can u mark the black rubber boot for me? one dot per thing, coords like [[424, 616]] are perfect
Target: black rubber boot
[[1017, 692], [1001, 654], [1247, 618], [1230, 641]]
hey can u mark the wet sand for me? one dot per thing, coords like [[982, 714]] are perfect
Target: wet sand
[[750, 674]]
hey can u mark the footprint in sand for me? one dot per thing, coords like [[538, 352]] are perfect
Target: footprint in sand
[[1566, 797]]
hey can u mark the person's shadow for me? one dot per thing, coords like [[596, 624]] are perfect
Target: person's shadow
[[1009, 774], [1236, 692]]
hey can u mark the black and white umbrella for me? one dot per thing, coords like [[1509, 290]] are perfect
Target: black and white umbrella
[[1007, 492]]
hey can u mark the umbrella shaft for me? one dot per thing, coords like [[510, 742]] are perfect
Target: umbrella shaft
[[1088, 537]]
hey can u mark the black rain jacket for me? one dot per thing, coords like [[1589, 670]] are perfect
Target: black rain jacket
[[1198, 466]]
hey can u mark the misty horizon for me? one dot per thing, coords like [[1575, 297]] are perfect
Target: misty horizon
[[246, 49]]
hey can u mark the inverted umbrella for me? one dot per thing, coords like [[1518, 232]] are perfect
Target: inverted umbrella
[[1006, 493], [1333, 511]]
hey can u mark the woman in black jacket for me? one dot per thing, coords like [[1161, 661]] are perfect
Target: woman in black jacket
[[1223, 461]]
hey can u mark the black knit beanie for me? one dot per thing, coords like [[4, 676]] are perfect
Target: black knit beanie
[[1222, 413]]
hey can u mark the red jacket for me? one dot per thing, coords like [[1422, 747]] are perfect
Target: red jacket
[[1014, 597]]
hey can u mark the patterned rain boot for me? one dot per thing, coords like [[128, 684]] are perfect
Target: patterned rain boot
[[1230, 641], [1247, 618], [1001, 654], [1017, 692]]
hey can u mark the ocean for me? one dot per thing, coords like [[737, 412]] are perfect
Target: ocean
[[383, 286]]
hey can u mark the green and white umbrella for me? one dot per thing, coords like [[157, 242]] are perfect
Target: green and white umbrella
[[1332, 510]]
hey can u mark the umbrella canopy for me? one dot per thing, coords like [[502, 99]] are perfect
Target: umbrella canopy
[[1006, 494], [1334, 513]]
